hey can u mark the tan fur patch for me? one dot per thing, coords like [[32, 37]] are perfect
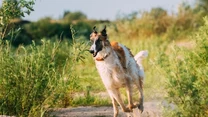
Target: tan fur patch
[[93, 36], [120, 52], [99, 59]]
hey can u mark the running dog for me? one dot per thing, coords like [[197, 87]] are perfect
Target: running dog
[[118, 68]]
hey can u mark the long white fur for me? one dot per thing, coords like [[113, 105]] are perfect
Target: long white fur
[[106, 67]]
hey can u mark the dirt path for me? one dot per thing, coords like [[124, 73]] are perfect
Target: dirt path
[[152, 109]]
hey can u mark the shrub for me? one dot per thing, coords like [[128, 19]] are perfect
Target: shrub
[[10, 10], [34, 78], [47, 28], [186, 73]]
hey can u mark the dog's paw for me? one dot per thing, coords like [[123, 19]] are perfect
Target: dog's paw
[[128, 110], [141, 107], [132, 106]]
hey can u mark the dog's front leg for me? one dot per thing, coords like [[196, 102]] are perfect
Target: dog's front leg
[[115, 107], [140, 87], [116, 96]]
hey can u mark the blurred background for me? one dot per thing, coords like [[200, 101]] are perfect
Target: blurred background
[[52, 18], [100, 10]]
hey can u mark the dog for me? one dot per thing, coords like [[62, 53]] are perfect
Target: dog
[[118, 68]]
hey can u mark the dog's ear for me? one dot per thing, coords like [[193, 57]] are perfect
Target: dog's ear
[[104, 32], [94, 29]]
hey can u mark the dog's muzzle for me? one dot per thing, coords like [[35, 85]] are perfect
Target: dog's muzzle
[[93, 53]]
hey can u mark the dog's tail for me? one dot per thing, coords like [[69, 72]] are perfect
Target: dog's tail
[[139, 57]]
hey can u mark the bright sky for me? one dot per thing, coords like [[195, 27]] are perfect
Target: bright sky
[[98, 9]]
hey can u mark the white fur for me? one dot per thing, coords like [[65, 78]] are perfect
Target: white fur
[[139, 57], [106, 67]]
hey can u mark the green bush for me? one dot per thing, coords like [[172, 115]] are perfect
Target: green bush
[[47, 28], [34, 78], [70, 17], [187, 76], [10, 10]]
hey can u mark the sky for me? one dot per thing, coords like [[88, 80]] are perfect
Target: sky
[[98, 9]]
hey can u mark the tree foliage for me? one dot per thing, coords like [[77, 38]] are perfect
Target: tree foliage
[[10, 10], [74, 16]]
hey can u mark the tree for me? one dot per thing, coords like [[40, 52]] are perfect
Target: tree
[[70, 17], [203, 4], [157, 12], [10, 10], [201, 8]]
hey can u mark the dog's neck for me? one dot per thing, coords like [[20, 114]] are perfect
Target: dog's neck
[[102, 58], [104, 54]]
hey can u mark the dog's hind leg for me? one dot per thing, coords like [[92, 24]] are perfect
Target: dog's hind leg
[[116, 96], [141, 97], [129, 94]]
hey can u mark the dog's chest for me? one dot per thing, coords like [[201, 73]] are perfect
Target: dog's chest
[[111, 73]]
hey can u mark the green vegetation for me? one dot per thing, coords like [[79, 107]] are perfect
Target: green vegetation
[[35, 78], [10, 10], [186, 73], [45, 64]]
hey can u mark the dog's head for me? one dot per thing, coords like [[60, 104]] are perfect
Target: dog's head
[[99, 41]]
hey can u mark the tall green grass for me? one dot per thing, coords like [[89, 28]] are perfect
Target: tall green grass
[[37, 77], [186, 76]]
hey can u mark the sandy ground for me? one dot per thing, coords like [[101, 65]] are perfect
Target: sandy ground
[[151, 109]]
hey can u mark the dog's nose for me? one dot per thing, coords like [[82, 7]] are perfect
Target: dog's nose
[[91, 51]]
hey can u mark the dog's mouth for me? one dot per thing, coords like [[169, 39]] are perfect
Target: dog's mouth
[[94, 53]]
